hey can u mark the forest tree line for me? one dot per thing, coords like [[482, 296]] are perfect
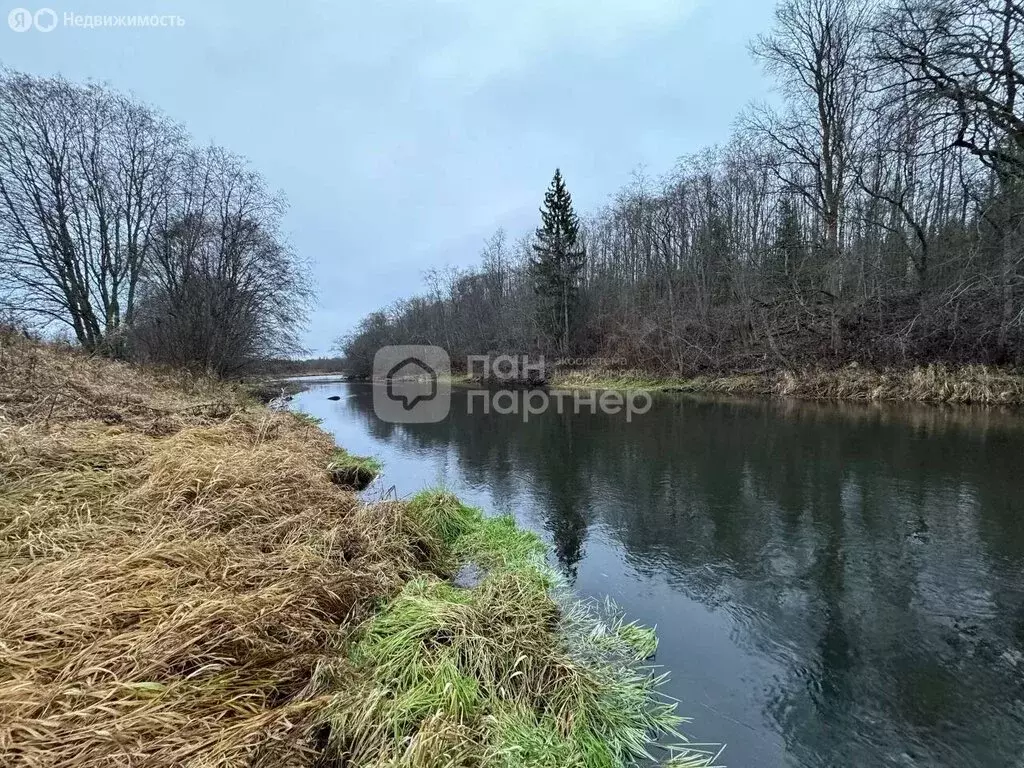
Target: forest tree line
[[116, 227], [874, 214]]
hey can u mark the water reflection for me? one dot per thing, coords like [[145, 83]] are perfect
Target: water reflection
[[833, 585]]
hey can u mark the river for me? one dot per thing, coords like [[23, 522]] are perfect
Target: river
[[832, 584]]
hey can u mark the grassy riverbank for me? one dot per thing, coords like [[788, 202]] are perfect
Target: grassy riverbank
[[976, 384], [183, 584]]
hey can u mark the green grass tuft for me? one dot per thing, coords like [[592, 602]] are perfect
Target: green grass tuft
[[353, 471], [444, 515], [642, 640], [307, 419], [524, 740], [499, 543], [511, 673]]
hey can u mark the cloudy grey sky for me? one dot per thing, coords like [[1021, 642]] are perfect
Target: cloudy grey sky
[[403, 133]]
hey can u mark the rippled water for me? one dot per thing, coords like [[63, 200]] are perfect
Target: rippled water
[[833, 585]]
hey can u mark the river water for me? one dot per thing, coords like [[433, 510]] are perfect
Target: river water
[[833, 585]]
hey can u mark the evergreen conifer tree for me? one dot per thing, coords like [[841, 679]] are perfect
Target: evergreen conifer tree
[[558, 262]]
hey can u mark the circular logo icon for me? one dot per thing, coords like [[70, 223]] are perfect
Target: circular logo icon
[[46, 19], [20, 19]]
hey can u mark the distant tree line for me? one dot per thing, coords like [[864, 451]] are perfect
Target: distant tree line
[[297, 367], [114, 225], [876, 214]]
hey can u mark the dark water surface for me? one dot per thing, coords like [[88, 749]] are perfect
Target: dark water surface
[[833, 585]]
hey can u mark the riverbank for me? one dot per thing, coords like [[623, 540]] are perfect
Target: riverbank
[[183, 583], [971, 384]]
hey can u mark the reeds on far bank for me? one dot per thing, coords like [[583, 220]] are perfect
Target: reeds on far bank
[[965, 384], [978, 384]]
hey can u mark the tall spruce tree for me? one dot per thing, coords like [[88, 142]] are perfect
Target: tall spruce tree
[[558, 263]]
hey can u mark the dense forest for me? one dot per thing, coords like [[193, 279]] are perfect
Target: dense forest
[[873, 213], [116, 228]]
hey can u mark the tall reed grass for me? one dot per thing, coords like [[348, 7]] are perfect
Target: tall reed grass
[[966, 384]]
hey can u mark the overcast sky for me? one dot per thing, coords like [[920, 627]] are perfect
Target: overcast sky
[[404, 133]]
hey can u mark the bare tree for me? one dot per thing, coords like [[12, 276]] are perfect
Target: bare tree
[[814, 54], [964, 59], [221, 288], [83, 172], [111, 224]]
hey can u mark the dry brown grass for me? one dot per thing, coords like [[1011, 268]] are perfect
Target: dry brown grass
[[51, 384], [183, 583], [979, 384], [966, 384], [174, 565]]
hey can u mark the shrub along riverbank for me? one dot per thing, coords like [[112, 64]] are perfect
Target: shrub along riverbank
[[182, 583]]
